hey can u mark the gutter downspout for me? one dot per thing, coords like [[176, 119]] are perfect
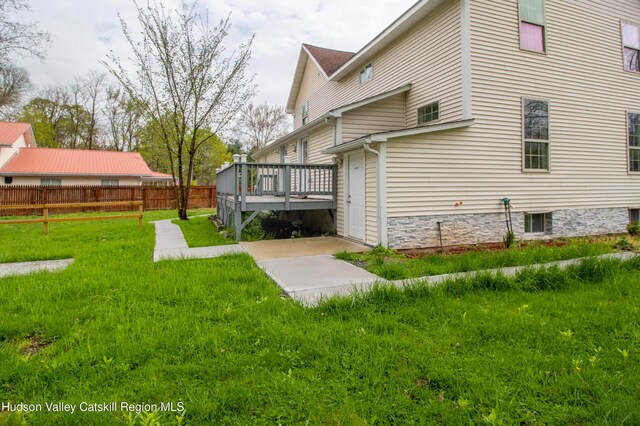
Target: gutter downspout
[[368, 148]]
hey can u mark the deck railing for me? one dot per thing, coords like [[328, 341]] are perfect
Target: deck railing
[[240, 180]]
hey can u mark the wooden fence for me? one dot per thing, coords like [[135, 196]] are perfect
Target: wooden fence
[[46, 220], [153, 198]]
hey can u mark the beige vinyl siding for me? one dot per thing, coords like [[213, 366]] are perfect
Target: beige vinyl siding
[[319, 140], [371, 211], [313, 79], [381, 116], [588, 91], [428, 56], [6, 152]]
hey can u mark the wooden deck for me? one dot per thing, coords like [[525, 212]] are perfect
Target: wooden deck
[[253, 187]]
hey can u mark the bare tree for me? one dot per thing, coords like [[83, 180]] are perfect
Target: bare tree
[[16, 37], [259, 125], [14, 84], [124, 117], [91, 88], [189, 88]]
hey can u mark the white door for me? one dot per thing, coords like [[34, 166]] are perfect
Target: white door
[[355, 196]]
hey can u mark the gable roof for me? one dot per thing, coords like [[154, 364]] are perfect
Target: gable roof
[[75, 162], [327, 61], [10, 132], [400, 26]]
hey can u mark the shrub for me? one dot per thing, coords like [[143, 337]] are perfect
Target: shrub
[[623, 244], [633, 228], [509, 239]]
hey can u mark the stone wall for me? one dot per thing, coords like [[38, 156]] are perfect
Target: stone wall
[[422, 231]]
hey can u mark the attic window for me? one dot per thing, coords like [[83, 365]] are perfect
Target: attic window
[[366, 74]]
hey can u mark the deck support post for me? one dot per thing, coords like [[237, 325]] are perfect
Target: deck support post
[[287, 187], [238, 219]]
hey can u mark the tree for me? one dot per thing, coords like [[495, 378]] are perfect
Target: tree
[[16, 37], [14, 84], [124, 118], [259, 125], [184, 81], [91, 87]]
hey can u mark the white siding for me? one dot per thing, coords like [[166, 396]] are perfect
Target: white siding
[[74, 180]]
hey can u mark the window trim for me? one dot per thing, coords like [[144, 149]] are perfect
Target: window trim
[[362, 83], [282, 153], [426, 123], [624, 46], [524, 141], [544, 30], [629, 147], [305, 106]]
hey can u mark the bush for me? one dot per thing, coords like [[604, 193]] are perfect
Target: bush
[[633, 228], [509, 239]]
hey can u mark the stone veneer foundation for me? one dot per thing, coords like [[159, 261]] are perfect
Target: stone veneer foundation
[[422, 231]]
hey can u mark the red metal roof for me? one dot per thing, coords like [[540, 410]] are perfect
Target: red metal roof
[[10, 132], [330, 60], [52, 161]]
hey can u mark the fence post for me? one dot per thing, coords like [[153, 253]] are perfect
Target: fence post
[[244, 186], [45, 218], [140, 212]]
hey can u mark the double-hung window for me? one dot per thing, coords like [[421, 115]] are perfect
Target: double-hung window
[[631, 46], [50, 182], [283, 154], [532, 25], [536, 134], [633, 132], [305, 113]]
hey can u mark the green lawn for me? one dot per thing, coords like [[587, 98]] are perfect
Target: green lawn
[[392, 265], [200, 232], [545, 348]]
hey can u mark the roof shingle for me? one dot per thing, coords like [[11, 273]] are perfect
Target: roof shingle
[[330, 60]]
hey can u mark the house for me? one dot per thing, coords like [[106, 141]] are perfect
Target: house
[[23, 163], [461, 105]]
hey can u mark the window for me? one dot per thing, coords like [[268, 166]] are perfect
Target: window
[[633, 131], [366, 74], [8, 180], [283, 153], [536, 135], [305, 113], [634, 215], [429, 113], [110, 182], [631, 46], [50, 182], [537, 223], [532, 25], [304, 151]]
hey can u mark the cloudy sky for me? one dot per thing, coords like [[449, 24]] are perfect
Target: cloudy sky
[[84, 31]]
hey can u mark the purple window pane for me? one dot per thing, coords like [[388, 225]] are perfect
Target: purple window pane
[[631, 35], [532, 37]]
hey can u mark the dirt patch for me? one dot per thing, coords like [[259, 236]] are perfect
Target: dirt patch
[[32, 345]]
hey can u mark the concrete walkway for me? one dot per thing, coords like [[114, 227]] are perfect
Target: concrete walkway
[[26, 268], [171, 245], [306, 270], [311, 279]]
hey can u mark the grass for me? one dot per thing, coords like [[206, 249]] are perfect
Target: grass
[[552, 347], [200, 232], [392, 265]]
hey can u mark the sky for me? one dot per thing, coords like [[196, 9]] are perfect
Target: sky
[[84, 31]]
